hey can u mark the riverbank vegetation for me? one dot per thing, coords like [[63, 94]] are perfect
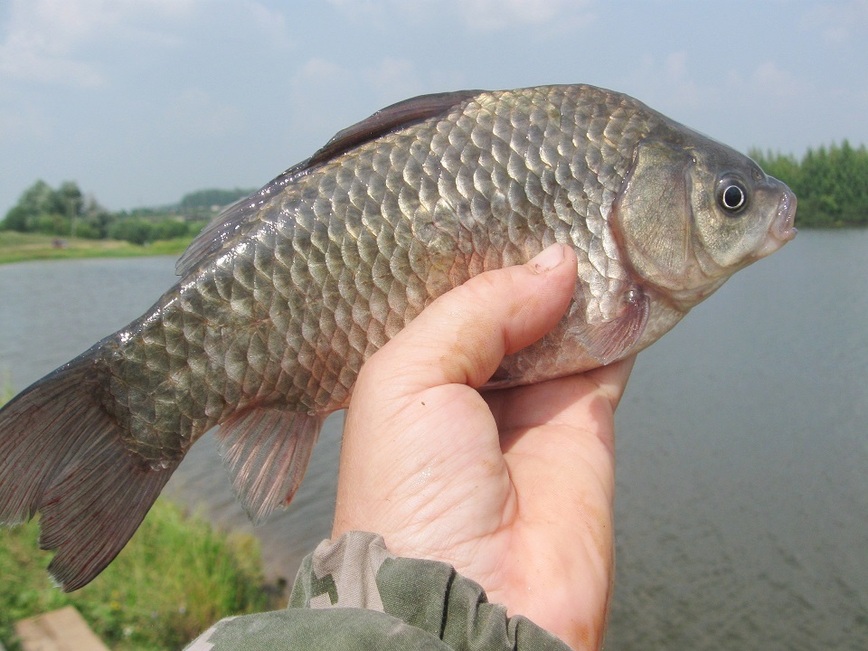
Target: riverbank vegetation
[[63, 222], [831, 183], [175, 578]]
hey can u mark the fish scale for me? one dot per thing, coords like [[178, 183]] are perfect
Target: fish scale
[[284, 297]]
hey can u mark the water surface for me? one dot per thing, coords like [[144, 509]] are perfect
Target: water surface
[[742, 447]]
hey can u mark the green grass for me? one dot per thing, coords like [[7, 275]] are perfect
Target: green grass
[[175, 578], [18, 247]]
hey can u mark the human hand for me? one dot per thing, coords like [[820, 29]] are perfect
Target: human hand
[[514, 488]]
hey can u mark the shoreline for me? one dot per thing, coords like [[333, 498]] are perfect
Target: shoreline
[[25, 247]]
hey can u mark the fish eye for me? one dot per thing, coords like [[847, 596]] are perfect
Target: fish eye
[[732, 196]]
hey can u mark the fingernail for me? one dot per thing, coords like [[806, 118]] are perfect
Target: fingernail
[[547, 259]]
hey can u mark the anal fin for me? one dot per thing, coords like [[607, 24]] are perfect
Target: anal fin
[[266, 452]]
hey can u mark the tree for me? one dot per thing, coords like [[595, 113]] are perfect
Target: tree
[[132, 229], [35, 202], [65, 212], [205, 200], [16, 219]]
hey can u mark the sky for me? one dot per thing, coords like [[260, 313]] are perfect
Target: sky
[[143, 101]]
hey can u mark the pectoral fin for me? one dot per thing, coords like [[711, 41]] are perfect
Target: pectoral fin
[[611, 340], [577, 345]]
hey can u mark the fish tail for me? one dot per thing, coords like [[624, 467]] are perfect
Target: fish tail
[[62, 454]]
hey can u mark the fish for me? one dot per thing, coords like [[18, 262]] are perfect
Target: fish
[[282, 298]]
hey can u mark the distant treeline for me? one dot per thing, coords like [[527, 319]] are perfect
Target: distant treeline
[[830, 183], [67, 212]]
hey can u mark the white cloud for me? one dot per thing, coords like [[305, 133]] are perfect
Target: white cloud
[[363, 7], [271, 23], [25, 126], [327, 96], [195, 112], [840, 22], [671, 85], [771, 80], [393, 80], [318, 69], [320, 83], [685, 91], [46, 40], [478, 15], [767, 84], [668, 84], [499, 14]]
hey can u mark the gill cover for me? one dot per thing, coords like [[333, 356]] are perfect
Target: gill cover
[[653, 215]]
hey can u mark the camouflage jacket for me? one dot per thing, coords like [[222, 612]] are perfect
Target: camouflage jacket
[[354, 594]]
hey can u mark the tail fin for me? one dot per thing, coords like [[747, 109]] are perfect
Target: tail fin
[[62, 454]]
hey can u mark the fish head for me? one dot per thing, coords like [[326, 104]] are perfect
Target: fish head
[[693, 211]]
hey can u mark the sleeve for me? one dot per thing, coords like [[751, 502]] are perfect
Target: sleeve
[[353, 594]]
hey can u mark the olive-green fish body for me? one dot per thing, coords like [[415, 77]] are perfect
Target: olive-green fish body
[[285, 296]]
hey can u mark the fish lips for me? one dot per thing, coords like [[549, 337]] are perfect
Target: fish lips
[[782, 228]]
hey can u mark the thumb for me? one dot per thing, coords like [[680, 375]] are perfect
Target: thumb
[[463, 335]]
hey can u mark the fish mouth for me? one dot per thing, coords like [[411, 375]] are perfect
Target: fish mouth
[[782, 228]]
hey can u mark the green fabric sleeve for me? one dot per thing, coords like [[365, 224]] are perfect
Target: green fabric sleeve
[[353, 594]]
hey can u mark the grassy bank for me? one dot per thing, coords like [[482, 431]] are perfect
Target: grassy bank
[[17, 247], [173, 580]]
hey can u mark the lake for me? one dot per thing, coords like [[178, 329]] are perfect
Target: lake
[[742, 503]]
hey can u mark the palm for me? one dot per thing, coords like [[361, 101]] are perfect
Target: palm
[[512, 487]]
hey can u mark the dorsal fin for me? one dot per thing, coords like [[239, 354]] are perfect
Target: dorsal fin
[[393, 117], [224, 228]]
